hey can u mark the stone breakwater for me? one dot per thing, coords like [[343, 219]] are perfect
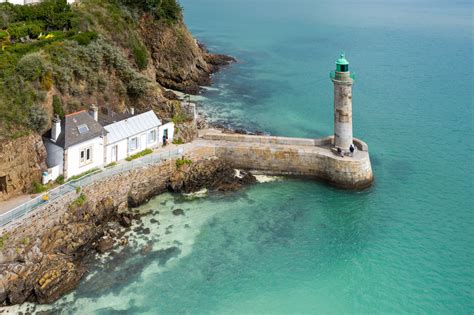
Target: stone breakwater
[[312, 158], [42, 254]]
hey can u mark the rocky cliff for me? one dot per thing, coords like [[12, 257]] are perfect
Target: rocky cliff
[[21, 162]]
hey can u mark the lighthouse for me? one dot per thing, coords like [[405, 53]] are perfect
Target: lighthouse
[[343, 81]]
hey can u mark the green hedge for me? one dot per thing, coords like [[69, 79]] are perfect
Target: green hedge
[[139, 154]]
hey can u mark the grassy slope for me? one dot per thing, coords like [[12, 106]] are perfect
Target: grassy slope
[[98, 57]]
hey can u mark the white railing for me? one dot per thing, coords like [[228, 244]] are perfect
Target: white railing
[[72, 185]]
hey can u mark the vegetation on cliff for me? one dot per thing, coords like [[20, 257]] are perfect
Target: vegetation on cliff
[[60, 58]]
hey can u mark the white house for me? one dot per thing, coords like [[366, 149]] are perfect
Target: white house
[[74, 145], [86, 140], [133, 134]]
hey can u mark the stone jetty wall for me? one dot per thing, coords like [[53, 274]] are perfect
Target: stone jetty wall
[[295, 157]]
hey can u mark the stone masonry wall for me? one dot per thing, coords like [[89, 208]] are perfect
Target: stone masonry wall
[[296, 157], [137, 185]]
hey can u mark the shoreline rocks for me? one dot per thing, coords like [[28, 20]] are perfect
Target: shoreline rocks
[[42, 266]]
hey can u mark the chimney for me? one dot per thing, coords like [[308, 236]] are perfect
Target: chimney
[[94, 112], [132, 111], [56, 129]]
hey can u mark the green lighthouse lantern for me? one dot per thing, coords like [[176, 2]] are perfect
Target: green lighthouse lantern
[[342, 65]]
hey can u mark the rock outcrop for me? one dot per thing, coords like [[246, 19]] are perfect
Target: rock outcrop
[[212, 174], [180, 62], [21, 162]]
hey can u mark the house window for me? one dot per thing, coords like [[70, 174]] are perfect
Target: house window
[[165, 133], [86, 155], [152, 136], [133, 144], [82, 129], [3, 184]]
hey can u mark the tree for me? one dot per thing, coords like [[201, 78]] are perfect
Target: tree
[[58, 107]]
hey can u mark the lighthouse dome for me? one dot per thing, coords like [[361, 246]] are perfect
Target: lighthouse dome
[[342, 65]]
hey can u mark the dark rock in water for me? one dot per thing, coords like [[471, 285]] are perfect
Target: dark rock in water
[[219, 60], [154, 221], [125, 220], [146, 249], [178, 212], [105, 244], [146, 231], [241, 131], [166, 254], [186, 226], [212, 174]]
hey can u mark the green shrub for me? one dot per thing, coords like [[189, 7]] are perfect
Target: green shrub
[[78, 190], [39, 188], [178, 141], [179, 118], [37, 119], [139, 154], [169, 10], [60, 180], [85, 38], [76, 177], [58, 107], [33, 66], [137, 86], [181, 162], [23, 29], [110, 165], [79, 201], [25, 241], [3, 35], [3, 240], [140, 54]]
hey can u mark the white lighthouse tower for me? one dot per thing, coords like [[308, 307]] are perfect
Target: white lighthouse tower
[[343, 81]]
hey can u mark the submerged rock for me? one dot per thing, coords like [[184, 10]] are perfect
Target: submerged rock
[[125, 220], [178, 212]]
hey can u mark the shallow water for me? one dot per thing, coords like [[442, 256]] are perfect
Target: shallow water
[[290, 246]]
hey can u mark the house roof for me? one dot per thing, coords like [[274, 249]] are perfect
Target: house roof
[[132, 126], [78, 127], [111, 117]]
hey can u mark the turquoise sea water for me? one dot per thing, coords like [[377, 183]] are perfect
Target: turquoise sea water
[[406, 245]]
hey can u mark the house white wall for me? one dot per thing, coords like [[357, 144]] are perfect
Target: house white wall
[[73, 159], [123, 146], [121, 151], [168, 126]]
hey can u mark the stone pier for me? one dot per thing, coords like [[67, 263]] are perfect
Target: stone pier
[[313, 158]]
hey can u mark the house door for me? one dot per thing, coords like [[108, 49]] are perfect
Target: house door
[[114, 153]]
